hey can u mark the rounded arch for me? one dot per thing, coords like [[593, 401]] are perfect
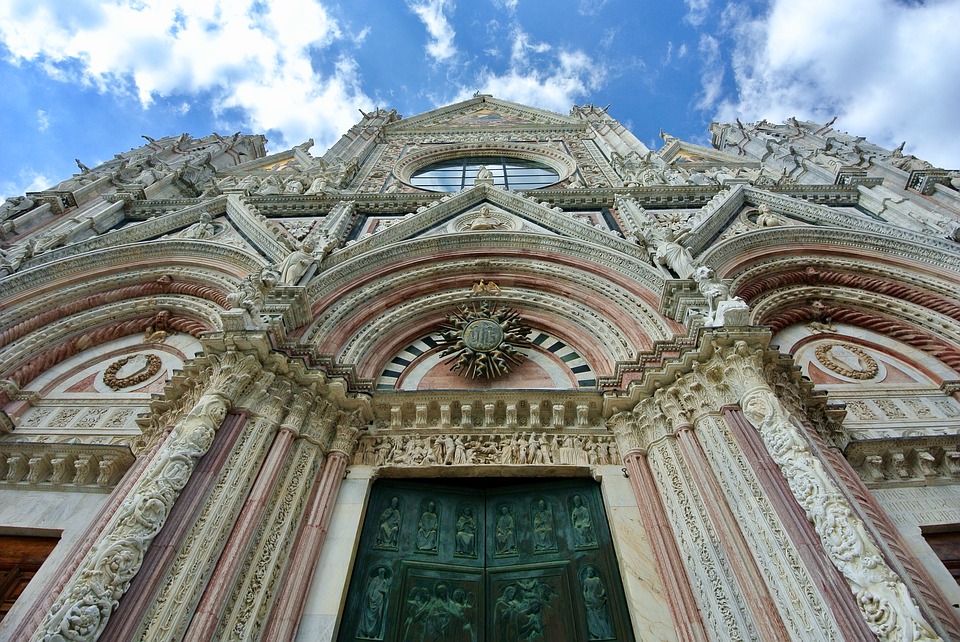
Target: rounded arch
[[582, 297]]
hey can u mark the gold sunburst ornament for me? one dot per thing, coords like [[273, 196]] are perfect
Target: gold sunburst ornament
[[483, 340]]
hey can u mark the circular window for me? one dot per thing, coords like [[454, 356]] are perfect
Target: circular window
[[455, 174]]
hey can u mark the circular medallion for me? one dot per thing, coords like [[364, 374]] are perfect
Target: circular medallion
[[483, 340], [847, 360], [482, 335], [132, 370]]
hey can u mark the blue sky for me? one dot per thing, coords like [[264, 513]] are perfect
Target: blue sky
[[84, 79]]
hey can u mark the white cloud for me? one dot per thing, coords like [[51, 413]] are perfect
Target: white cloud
[[697, 11], [27, 180], [43, 121], [883, 67], [541, 77], [711, 76], [509, 5], [253, 56], [591, 7], [432, 14]]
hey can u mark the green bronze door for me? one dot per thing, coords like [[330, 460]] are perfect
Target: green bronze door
[[476, 561]]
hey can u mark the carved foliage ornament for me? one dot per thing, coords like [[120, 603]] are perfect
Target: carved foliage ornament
[[847, 360], [118, 375], [483, 340]]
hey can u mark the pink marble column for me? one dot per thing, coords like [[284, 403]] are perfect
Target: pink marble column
[[139, 597], [207, 616], [676, 584], [58, 579], [758, 599], [834, 589], [295, 585]]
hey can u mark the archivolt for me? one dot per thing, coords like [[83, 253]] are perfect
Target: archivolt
[[188, 315]]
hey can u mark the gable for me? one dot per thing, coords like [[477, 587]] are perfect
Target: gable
[[483, 112]]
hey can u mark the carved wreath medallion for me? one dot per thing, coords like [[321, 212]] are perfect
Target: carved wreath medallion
[[114, 376], [483, 340], [847, 360]]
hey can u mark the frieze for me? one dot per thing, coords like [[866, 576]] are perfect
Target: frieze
[[482, 448], [129, 234]]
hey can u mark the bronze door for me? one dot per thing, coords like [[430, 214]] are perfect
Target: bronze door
[[482, 560]]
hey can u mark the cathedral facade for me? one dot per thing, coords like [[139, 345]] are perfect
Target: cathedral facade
[[484, 373]]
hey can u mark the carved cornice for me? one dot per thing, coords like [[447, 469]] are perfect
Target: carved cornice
[[906, 461], [62, 467]]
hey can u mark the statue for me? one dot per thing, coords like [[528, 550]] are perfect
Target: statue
[[15, 206], [671, 251], [12, 258], [719, 301], [251, 294], [484, 221], [766, 217], [484, 176], [296, 264], [203, 229]]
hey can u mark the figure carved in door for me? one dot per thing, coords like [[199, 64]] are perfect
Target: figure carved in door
[[427, 529], [505, 536], [583, 535], [466, 533], [389, 530], [372, 617]]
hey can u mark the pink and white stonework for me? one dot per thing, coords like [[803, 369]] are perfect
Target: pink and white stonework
[[752, 348]]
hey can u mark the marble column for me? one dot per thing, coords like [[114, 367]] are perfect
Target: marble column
[[673, 574], [204, 623], [299, 572]]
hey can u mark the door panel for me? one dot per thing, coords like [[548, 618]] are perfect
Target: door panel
[[480, 560]]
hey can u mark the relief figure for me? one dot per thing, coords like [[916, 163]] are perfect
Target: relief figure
[[583, 536], [505, 537], [389, 530], [427, 529], [543, 535], [372, 620], [466, 533], [599, 626]]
